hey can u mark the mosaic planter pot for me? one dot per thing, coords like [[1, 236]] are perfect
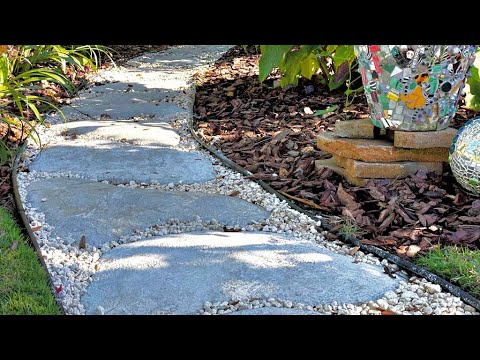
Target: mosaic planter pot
[[414, 87], [465, 156]]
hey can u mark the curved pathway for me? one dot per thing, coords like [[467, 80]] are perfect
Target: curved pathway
[[134, 218]]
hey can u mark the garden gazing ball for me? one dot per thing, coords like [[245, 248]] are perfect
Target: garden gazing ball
[[465, 156]]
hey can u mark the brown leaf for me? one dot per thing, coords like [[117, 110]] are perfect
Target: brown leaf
[[413, 234], [353, 250], [346, 199], [413, 250], [14, 245], [36, 228], [380, 241], [459, 199], [387, 312], [306, 202], [375, 193], [234, 193], [83, 242], [387, 271], [283, 172], [341, 72], [280, 135], [401, 250]]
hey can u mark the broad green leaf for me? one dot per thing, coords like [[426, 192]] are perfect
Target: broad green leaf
[[326, 111], [307, 49], [309, 66], [472, 88], [331, 48], [271, 57], [291, 67], [344, 53]]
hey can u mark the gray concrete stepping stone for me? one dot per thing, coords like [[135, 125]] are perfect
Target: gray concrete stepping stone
[[186, 56], [121, 163], [273, 311], [123, 106], [104, 212], [176, 274], [141, 132], [131, 90]]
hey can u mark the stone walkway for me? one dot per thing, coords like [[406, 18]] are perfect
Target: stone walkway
[[124, 175]]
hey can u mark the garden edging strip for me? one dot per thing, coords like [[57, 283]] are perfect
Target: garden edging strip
[[455, 290]]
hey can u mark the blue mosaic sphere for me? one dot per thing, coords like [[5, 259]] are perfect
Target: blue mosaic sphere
[[465, 156]]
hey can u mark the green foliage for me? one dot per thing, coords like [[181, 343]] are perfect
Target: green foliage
[[272, 55], [24, 288], [331, 65], [457, 264], [472, 88], [24, 72]]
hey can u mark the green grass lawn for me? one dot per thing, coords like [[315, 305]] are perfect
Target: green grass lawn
[[23, 282], [460, 265]]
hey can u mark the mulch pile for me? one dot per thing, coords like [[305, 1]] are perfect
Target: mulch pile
[[272, 133]]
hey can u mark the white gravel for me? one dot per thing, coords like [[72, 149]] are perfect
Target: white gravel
[[73, 268]]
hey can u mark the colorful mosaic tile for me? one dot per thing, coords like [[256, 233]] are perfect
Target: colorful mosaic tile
[[414, 87], [465, 156]]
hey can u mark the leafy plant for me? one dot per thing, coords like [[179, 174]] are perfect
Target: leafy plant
[[350, 228], [331, 65], [24, 72], [472, 88]]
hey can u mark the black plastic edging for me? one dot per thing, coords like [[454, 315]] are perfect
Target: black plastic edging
[[407, 265]]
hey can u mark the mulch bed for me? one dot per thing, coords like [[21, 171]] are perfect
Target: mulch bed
[[272, 133]]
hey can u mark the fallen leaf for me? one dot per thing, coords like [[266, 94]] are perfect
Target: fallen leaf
[[36, 228], [83, 242], [353, 250], [346, 199], [306, 202], [387, 271], [283, 172], [280, 135], [401, 250], [234, 193], [388, 312], [413, 250], [380, 241]]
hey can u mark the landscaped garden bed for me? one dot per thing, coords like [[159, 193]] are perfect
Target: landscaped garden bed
[[272, 133]]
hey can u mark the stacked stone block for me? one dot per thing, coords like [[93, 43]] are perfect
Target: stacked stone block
[[361, 153]]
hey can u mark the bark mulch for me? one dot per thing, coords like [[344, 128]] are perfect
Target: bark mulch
[[272, 133]]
